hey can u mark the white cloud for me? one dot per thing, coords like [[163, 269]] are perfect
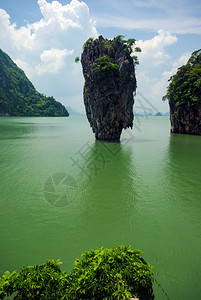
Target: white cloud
[[151, 78], [53, 60], [179, 17], [46, 49], [154, 49], [182, 60], [162, 39]]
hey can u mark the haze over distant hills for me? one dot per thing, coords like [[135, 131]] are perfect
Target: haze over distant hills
[[151, 113], [18, 96], [73, 112]]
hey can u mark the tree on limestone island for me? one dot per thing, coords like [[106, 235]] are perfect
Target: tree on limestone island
[[184, 97]]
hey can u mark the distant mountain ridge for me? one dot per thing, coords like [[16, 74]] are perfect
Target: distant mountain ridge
[[73, 112], [151, 113], [18, 96]]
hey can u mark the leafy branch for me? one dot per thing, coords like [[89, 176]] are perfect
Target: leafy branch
[[116, 273]]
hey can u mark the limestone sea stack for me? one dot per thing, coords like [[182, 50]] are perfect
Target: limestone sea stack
[[110, 84], [184, 97]]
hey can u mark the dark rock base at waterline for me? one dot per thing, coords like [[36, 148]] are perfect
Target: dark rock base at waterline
[[186, 120]]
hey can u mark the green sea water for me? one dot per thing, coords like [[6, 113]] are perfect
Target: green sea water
[[62, 192]]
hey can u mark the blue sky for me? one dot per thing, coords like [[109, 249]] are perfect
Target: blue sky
[[44, 37]]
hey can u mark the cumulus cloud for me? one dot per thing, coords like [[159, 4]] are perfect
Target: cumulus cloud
[[46, 49], [155, 48], [182, 60], [53, 60], [156, 67]]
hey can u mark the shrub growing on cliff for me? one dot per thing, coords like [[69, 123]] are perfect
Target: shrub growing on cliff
[[129, 46], [104, 64], [117, 273], [86, 43], [77, 59]]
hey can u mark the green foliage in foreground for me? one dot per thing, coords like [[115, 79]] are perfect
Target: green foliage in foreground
[[18, 97], [185, 86], [45, 281], [117, 273]]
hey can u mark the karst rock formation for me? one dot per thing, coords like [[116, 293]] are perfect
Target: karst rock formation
[[184, 96], [110, 85]]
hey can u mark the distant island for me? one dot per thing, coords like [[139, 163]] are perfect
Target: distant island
[[18, 96], [152, 114], [73, 112], [184, 96]]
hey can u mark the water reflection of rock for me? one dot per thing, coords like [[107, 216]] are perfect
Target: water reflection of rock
[[108, 194], [183, 159], [180, 210]]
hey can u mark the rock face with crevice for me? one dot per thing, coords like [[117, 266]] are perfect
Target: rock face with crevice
[[186, 120], [110, 83]]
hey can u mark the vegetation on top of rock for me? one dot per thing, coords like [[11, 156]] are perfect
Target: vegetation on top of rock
[[117, 273], [18, 97], [105, 64], [128, 44], [185, 85], [184, 96], [110, 84], [119, 39], [87, 42]]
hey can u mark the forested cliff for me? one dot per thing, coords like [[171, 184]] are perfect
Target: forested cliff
[[184, 96], [18, 96]]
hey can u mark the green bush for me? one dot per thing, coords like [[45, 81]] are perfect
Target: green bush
[[45, 281], [110, 46], [117, 273], [128, 46], [7, 284], [104, 63], [84, 47], [77, 59], [185, 85]]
